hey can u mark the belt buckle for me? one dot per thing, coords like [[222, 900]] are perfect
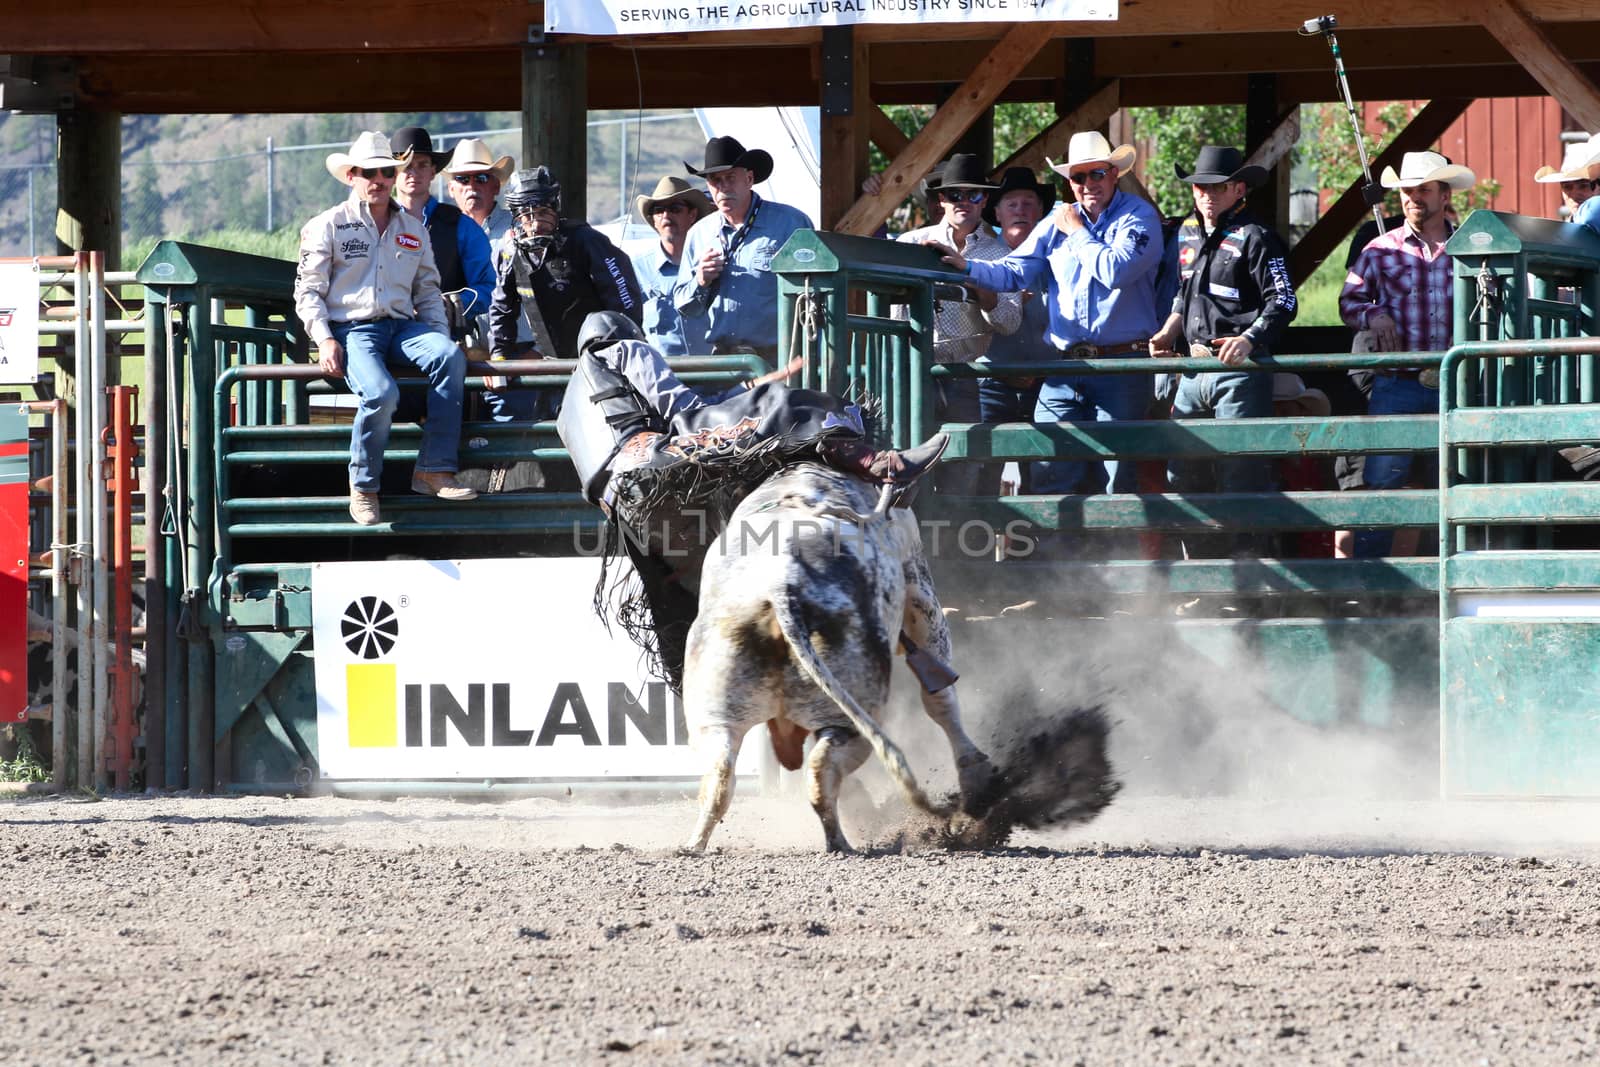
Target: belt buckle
[[1428, 377], [1082, 350]]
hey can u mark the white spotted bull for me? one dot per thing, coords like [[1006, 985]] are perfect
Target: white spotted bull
[[804, 598]]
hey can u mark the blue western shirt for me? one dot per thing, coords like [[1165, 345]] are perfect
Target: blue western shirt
[[743, 306], [664, 328], [476, 261], [1099, 283]]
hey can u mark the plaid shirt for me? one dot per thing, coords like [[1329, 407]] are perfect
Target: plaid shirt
[[962, 330], [1397, 273]]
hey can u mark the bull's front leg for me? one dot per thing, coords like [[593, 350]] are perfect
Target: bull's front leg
[[925, 625], [721, 746]]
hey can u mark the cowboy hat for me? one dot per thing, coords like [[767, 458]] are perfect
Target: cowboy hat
[[1290, 391], [1019, 178], [1419, 168], [1578, 164], [472, 156], [1215, 164], [1091, 147], [409, 140], [669, 189], [961, 171], [725, 153], [371, 149]]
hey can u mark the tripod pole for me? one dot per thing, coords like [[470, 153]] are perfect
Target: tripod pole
[[1373, 197]]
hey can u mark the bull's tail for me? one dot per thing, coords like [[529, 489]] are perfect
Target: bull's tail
[[797, 635]]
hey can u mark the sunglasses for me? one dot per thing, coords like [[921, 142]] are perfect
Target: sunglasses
[[1084, 177], [674, 209], [370, 173], [965, 196], [481, 178]]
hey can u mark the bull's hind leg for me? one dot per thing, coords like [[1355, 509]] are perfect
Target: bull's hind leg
[[721, 746], [924, 623], [836, 753]]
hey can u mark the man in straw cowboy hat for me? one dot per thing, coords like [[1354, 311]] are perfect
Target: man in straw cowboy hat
[[1401, 289], [963, 330], [475, 177], [726, 276], [1234, 300], [1573, 177], [670, 209], [367, 291], [461, 252], [1095, 260]]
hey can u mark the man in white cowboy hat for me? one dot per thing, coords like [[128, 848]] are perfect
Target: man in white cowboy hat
[[475, 177], [1401, 288], [367, 291], [963, 330], [461, 252], [670, 209], [726, 276], [1234, 300], [1573, 177], [1095, 260]]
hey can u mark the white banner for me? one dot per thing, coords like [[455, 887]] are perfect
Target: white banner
[[19, 323], [485, 669], [609, 17]]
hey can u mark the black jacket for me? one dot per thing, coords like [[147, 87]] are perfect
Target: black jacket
[[1233, 281], [579, 271]]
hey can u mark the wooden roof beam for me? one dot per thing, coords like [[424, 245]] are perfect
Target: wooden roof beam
[[1510, 22], [1052, 140], [1342, 216], [994, 72]]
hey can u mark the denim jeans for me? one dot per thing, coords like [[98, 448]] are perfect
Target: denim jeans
[[1393, 394], [1091, 398], [1222, 395], [369, 347], [1000, 401]]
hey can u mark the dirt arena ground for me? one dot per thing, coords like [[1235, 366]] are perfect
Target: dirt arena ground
[[266, 930]]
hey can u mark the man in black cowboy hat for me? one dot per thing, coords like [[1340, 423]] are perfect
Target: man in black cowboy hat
[[466, 269], [1016, 207], [726, 274], [963, 330], [670, 209], [1234, 300]]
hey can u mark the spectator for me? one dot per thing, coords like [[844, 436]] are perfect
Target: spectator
[[726, 275], [367, 291], [475, 181], [671, 209], [1096, 261], [1576, 184], [963, 329], [461, 252], [1234, 300], [1401, 290], [1017, 206], [559, 272]]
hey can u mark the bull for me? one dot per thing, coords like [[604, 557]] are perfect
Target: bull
[[805, 596]]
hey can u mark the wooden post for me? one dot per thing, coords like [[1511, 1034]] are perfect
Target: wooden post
[[1269, 201], [847, 116], [89, 184], [555, 114]]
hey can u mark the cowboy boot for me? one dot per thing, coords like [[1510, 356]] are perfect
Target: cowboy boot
[[854, 456]]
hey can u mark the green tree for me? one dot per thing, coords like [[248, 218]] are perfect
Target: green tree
[[143, 204]]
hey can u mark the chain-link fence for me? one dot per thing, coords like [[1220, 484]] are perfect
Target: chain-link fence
[[196, 178]]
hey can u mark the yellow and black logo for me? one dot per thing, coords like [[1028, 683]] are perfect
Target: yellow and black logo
[[370, 629]]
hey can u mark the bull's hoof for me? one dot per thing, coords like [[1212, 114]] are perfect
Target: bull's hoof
[[692, 849], [838, 846], [982, 786]]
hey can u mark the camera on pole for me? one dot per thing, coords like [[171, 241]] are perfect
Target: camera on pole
[[1371, 192]]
